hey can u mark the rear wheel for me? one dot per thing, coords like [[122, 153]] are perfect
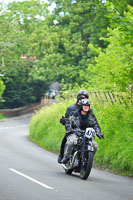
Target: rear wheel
[[86, 169]]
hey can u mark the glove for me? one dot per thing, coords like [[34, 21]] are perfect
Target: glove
[[69, 131], [101, 136], [62, 120], [78, 134]]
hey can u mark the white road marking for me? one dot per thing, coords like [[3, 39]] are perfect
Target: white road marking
[[31, 179], [10, 127]]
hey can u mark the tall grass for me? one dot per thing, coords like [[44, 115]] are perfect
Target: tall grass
[[115, 151], [45, 128], [1, 116]]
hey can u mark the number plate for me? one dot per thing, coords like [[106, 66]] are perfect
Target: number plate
[[90, 148]]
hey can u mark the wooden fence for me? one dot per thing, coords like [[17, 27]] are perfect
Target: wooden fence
[[108, 97], [101, 96]]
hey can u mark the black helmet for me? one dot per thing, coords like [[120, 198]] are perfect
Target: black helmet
[[85, 102], [83, 92]]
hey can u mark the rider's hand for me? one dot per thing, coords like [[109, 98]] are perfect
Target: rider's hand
[[69, 131], [62, 120], [78, 134]]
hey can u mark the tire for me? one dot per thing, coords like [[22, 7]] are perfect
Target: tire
[[86, 169]]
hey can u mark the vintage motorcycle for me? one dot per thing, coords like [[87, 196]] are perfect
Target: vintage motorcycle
[[81, 158]]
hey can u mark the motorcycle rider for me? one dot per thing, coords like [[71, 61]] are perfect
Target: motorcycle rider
[[82, 94], [83, 118]]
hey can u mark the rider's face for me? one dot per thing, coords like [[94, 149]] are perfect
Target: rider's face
[[85, 108]]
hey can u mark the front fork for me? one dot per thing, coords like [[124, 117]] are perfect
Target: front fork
[[90, 148], [83, 151]]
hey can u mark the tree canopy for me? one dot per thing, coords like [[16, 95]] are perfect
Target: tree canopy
[[81, 42], [113, 67]]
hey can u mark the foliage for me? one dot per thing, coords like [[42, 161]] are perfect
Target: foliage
[[2, 87], [16, 27], [115, 152], [71, 46], [45, 128], [63, 46], [113, 68], [121, 5], [1, 116]]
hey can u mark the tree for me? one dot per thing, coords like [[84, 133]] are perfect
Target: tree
[[113, 68], [121, 5], [64, 46], [16, 27]]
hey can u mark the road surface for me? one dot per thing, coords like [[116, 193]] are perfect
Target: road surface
[[28, 172]]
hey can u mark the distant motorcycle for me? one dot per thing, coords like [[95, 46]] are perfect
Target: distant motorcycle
[[81, 159]]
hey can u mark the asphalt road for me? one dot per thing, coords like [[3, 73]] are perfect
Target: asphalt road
[[28, 172]]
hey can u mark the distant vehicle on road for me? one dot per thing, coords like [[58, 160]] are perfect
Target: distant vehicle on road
[[52, 93], [54, 90]]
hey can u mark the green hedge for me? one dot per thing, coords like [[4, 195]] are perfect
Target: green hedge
[[115, 152], [45, 128]]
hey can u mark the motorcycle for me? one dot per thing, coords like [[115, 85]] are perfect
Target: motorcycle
[[81, 158]]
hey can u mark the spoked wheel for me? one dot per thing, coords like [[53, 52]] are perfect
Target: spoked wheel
[[86, 169]]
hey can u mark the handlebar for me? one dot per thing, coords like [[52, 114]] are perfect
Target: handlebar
[[79, 132], [100, 136]]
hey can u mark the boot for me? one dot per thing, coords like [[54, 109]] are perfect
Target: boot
[[60, 158], [65, 160]]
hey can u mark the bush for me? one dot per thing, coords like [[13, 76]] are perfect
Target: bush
[[1, 116], [116, 151], [45, 128]]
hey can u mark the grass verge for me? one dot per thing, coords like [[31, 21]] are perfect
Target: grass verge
[[1, 116]]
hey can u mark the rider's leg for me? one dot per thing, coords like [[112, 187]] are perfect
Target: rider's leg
[[69, 148], [61, 154]]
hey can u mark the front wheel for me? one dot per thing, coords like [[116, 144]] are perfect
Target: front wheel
[[86, 169]]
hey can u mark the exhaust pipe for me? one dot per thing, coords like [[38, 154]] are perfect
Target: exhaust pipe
[[71, 165]]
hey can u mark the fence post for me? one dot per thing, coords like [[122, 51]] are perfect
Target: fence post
[[100, 96], [96, 95], [111, 98], [124, 101], [105, 96], [114, 96]]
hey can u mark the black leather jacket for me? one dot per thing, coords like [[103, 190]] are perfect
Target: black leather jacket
[[83, 122], [71, 108]]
